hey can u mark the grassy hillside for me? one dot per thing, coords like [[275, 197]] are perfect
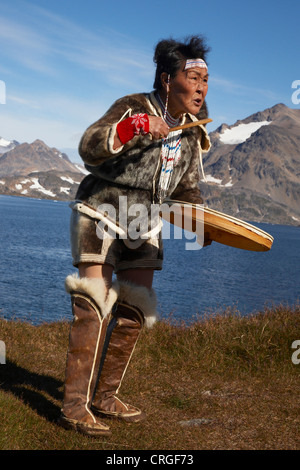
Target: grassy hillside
[[224, 382]]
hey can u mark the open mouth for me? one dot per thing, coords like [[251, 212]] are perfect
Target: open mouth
[[198, 102]]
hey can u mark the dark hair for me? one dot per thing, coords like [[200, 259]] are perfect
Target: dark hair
[[170, 54]]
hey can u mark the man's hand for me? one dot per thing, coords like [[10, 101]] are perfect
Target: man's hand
[[158, 128]]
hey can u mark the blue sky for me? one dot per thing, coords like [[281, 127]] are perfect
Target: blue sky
[[64, 62]]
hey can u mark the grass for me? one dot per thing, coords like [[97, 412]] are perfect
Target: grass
[[223, 382]]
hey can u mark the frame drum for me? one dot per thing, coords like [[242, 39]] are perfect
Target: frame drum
[[215, 226]]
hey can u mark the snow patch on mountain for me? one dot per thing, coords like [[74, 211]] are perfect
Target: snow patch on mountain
[[212, 179], [65, 190], [4, 143], [241, 132], [39, 187], [69, 180], [81, 169]]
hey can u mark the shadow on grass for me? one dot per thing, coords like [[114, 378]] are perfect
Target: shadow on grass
[[32, 389]]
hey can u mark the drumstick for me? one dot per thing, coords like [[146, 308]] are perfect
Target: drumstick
[[190, 124]]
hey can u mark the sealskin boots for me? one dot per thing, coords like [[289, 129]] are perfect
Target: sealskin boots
[[91, 307], [136, 306]]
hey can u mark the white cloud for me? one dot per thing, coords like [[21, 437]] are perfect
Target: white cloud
[[27, 128], [22, 44], [56, 118], [240, 89], [23, 101], [39, 39]]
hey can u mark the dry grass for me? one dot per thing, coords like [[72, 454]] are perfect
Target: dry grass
[[233, 374]]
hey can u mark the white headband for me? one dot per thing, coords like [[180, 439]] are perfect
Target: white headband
[[195, 63]]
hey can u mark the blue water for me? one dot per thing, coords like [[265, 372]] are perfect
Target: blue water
[[35, 259]]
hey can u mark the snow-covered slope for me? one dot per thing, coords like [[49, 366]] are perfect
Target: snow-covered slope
[[253, 167], [7, 145], [240, 133]]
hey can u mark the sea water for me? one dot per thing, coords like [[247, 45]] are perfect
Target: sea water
[[36, 258]]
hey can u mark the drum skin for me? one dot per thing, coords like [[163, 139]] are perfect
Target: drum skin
[[216, 226]]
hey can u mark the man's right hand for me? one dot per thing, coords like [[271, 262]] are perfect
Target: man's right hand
[[158, 128]]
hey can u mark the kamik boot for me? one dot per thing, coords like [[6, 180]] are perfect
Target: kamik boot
[[136, 306], [91, 307]]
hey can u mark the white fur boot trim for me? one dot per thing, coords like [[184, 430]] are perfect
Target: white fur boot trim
[[140, 297], [94, 288]]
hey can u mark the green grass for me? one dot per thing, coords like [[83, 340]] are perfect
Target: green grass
[[235, 374]]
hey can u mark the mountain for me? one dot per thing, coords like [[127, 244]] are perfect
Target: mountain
[[253, 168], [72, 154], [28, 158], [7, 145], [36, 170]]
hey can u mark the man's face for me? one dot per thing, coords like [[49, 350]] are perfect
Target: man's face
[[187, 91]]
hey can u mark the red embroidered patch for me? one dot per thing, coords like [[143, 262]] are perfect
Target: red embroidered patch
[[138, 124]]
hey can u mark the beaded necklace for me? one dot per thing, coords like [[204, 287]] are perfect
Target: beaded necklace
[[170, 152]]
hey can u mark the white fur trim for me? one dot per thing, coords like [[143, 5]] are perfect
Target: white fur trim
[[113, 131], [94, 288], [140, 297], [110, 142]]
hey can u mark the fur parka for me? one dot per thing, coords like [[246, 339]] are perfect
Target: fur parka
[[133, 170]]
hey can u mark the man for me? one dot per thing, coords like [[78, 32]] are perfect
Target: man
[[133, 155]]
